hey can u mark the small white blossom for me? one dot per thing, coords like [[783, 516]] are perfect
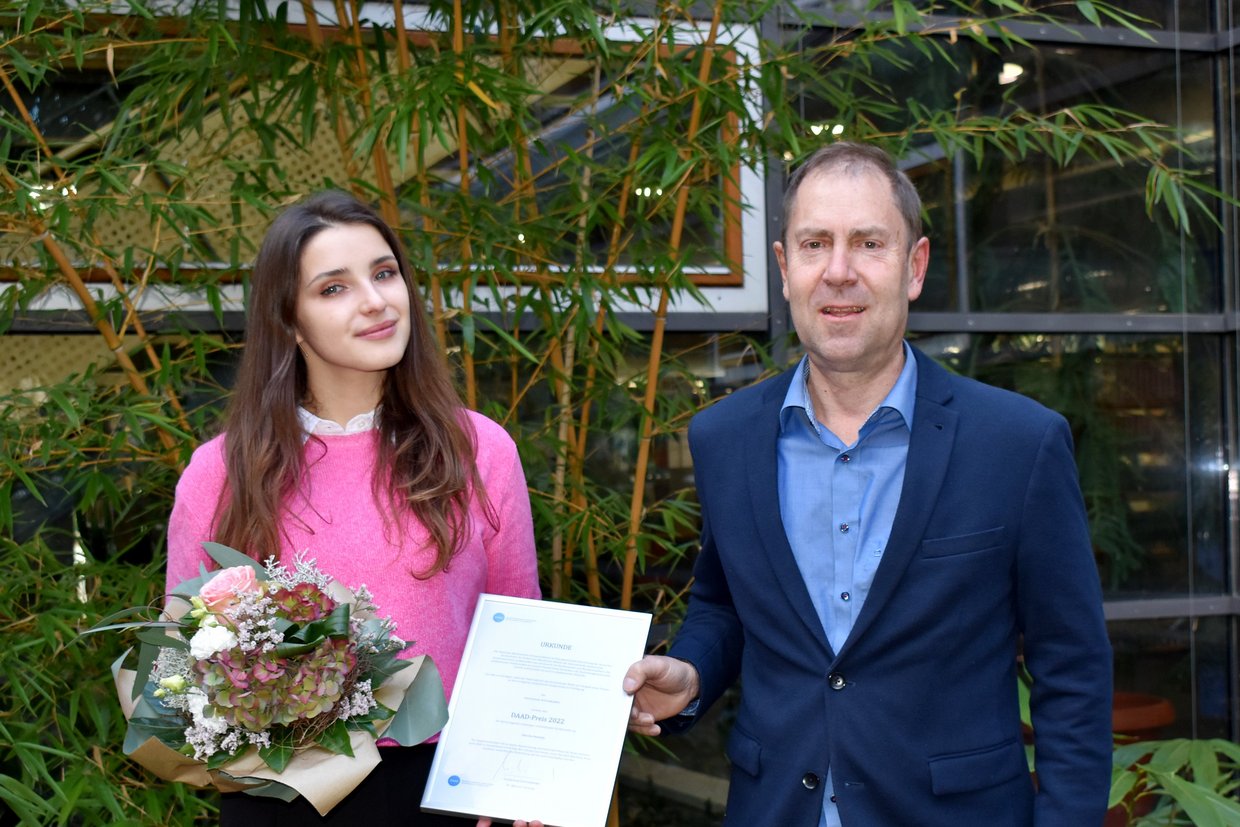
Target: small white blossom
[[209, 640], [255, 622], [197, 708], [361, 701], [305, 570]]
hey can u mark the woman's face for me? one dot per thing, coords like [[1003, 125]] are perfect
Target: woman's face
[[352, 308]]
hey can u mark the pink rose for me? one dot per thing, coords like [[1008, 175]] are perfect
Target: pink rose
[[221, 591]]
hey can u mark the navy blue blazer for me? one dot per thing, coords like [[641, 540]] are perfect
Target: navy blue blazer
[[917, 714]]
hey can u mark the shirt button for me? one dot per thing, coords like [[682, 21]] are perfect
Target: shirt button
[[836, 680], [809, 781], [845, 458], [845, 597], [843, 528]]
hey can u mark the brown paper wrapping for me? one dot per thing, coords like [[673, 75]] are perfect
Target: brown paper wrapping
[[321, 777]]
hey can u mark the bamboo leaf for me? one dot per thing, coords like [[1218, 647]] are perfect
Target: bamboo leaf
[[1087, 10]]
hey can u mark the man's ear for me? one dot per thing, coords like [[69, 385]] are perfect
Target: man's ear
[[918, 263], [782, 261]]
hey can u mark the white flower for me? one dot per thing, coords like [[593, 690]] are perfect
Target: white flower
[[197, 710], [211, 639]]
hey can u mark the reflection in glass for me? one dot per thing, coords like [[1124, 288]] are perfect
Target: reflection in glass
[[1181, 662], [1033, 237], [1079, 239], [578, 136], [1162, 15], [1152, 479]]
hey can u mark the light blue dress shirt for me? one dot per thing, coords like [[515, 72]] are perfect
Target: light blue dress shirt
[[838, 503]]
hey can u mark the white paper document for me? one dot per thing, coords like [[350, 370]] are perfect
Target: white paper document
[[538, 714]]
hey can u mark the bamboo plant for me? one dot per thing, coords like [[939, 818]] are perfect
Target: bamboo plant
[[563, 175]]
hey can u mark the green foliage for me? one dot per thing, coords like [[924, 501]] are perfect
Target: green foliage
[[61, 728], [1177, 782]]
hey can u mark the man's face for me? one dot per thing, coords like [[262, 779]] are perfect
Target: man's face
[[849, 272]]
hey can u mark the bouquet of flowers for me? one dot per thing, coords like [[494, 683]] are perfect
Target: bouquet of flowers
[[272, 681]]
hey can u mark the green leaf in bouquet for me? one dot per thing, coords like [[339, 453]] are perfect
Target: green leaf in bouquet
[[150, 718], [379, 713], [147, 653], [423, 712], [301, 639], [366, 723], [265, 787], [221, 758], [276, 756], [295, 647], [229, 557], [381, 667], [109, 622], [336, 739], [335, 624], [189, 588], [156, 637], [171, 731], [135, 624], [362, 725]]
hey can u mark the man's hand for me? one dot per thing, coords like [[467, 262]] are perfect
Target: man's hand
[[661, 687]]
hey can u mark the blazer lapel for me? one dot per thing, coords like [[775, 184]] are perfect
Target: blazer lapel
[[929, 451], [760, 468]]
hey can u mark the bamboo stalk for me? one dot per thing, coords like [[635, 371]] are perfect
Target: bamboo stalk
[[525, 204], [593, 585], [636, 505], [98, 319], [111, 337], [131, 314], [435, 287], [378, 150], [402, 36], [315, 33], [462, 145]]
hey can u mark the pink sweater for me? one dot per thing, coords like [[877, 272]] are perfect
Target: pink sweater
[[335, 520]]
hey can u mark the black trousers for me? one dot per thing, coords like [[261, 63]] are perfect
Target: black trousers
[[391, 794]]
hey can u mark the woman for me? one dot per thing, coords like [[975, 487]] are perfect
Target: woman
[[347, 440]]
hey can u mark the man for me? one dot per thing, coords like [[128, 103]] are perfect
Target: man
[[879, 537]]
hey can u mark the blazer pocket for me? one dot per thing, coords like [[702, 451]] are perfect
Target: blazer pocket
[[744, 752], [963, 544], [977, 770]]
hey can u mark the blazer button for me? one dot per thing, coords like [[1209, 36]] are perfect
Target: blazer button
[[836, 680], [809, 781]]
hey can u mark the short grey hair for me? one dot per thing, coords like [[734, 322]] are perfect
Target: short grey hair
[[850, 156]]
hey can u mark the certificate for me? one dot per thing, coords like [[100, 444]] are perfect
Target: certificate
[[538, 714]]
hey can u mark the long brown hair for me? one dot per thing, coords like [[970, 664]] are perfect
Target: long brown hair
[[426, 444]]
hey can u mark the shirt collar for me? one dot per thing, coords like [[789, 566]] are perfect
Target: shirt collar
[[312, 424], [900, 398]]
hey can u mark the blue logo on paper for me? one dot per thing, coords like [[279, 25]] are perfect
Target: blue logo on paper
[[498, 617], [454, 780]]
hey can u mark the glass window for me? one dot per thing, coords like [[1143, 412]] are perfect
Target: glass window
[[1151, 472], [71, 107], [1047, 239], [1172, 677], [1162, 15], [580, 133], [1031, 236]]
